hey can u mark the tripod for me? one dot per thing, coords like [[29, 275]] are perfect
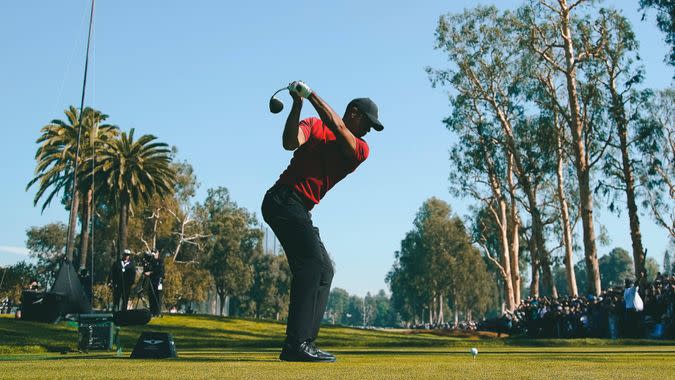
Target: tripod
[[149, 299]]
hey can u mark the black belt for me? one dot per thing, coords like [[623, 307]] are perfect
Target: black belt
[[285, 191]]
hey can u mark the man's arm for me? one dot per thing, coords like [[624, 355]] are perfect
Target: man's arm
[[335, 123], [293, 136]]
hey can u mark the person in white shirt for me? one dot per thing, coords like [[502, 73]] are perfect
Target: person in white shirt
[[634, 306]]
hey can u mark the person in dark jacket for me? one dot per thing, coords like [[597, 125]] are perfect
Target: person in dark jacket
[[122, 274], [153, 270]]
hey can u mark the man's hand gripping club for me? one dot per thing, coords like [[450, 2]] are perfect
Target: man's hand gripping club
[[293, 136]]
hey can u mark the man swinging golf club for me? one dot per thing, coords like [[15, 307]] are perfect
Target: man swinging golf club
[[326, 150]]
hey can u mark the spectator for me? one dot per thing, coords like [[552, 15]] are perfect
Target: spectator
[[634, 307]]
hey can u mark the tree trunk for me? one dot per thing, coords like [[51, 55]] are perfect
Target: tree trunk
[[124, 217], [84, 232], [566, 226], [581, 157], [432, 305], [501, 221], [530, 190], [222, 303], [515, 234], [506, 260], [629, 182], [542, 253], [441, 317], [534, 261], [72, 225]]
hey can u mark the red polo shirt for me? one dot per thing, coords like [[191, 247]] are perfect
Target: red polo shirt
[[318, 164]]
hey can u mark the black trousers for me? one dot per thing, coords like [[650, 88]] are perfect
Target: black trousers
[[311, 267], [121, 293], [155, 297]]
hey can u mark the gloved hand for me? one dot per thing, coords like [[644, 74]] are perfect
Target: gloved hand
[[300, 88]]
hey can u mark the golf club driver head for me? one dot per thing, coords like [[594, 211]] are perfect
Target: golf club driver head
[[276, 105]]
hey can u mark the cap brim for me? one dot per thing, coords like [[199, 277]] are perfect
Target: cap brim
[[375, 123]]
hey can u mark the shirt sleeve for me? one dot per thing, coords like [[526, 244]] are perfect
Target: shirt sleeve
[[362, 150], [306, 127]]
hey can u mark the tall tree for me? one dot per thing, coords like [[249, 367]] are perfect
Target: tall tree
[[563, 42], [651, 269], [55, 158], [94, 135], [616, 267], [16, 278], [665, 12], [565, 218], [131, 172], [47, 244], [337, 305], [235, 237], [667, 265], [270, 287], [434, 267], [620, 77], [657, 151], [492, 70]]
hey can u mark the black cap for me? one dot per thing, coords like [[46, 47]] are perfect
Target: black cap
[[368, 108]]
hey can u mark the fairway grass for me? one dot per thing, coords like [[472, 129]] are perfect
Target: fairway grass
[[227, 348], [508, 363]]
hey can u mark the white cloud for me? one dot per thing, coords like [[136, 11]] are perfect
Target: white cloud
[[14, 250]]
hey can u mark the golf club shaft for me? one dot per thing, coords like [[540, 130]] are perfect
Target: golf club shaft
[[279, 90]]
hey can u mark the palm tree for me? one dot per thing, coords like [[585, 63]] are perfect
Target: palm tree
[[94, 138], [132, 172], [56, 158]]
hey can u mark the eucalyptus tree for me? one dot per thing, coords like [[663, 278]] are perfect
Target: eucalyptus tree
[[492, 69], [566, 224], [406, 293], [435, 266], [55, 158], [407, 279], [442, 243], [664, 20], [235, 239], [130, 173], [479, 171], [47, 244], [625, 103], [657, 151], [270, 288], [564, 43]]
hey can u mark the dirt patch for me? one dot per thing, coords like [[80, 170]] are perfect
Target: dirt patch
[[458, 333]]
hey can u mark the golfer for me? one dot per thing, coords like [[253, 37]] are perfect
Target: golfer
[[326, 150]]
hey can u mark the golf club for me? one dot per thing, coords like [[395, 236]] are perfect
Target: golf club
[[277, 105]]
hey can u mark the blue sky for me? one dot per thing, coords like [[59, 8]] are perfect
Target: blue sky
[[199, 75]]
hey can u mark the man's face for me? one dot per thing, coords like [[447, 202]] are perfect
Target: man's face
[[357, 122]]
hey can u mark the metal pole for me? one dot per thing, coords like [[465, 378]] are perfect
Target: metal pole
[[94, 137], [71, 235]]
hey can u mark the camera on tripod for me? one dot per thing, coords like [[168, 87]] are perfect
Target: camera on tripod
[[147, 258]]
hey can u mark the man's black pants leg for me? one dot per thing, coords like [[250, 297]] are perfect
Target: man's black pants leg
[[311, 267], [117, 295]]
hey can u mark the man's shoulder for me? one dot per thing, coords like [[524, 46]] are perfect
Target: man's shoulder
[[313, 122]]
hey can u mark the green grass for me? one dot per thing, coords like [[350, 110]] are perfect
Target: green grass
[[213, 347]]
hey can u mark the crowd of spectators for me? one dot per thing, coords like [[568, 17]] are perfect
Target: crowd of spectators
[[6, 306], [463, 325], [628, 312]]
